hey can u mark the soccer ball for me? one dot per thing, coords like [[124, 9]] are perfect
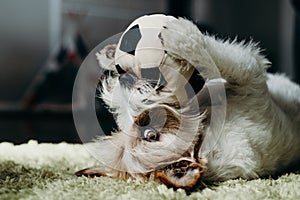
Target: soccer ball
[[140, 46], [140, 51]]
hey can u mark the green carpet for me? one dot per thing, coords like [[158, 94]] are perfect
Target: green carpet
[[45, 171]]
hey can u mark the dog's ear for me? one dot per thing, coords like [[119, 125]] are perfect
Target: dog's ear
[[92, 171], [108, 151]]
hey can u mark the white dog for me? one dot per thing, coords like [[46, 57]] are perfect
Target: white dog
[[259, 136]]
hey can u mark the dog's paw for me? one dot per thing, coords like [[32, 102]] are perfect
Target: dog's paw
[[183, 40], [180, 37], [105, 56]]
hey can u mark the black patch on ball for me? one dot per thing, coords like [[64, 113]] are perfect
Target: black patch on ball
[[131, 39], [120, 70], [195, 84]]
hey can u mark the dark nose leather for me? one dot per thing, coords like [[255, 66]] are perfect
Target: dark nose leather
[[128, 79]]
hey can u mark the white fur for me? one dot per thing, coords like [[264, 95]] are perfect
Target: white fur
[[261, 131]]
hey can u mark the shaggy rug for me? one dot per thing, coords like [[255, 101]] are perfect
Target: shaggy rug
[[46, 171]]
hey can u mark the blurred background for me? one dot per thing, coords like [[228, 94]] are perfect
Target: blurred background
[[44, 42]]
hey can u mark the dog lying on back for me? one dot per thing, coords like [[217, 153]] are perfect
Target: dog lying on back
[[164, 137]]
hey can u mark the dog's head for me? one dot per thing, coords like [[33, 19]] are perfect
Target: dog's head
[[161, 123]]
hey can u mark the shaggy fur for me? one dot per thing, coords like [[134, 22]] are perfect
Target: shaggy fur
[[260, 135]]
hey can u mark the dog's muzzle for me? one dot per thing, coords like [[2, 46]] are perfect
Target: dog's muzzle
[[184, 173]]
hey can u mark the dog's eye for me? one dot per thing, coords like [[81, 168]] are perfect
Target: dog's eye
[[150, 134]]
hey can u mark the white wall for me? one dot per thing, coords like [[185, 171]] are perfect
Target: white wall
[[24, 34], [31, 29]]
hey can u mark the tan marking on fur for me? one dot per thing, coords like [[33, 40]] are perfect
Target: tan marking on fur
[[171, 120]]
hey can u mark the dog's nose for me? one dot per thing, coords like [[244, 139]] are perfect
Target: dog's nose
[[128, 79]]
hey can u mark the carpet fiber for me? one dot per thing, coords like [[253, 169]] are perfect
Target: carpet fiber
[[46, 171]]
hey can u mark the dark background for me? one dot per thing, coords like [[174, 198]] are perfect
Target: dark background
[[44, 42]]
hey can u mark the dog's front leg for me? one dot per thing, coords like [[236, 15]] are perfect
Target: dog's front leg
[[240, 65]]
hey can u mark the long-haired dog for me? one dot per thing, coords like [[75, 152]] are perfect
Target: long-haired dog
[[166, 134]]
